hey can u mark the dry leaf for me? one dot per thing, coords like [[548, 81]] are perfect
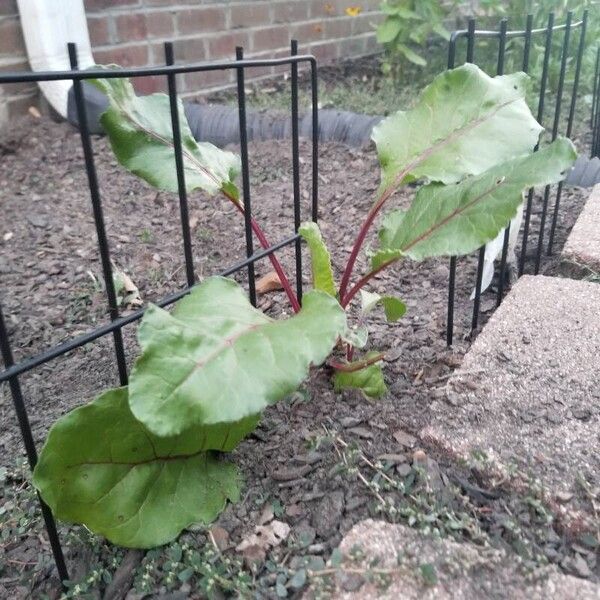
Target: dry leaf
[[127, 292], [268, 283], [220, 537], [34, 112], [265, 536]]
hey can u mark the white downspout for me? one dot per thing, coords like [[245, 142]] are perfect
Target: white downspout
[[48, 25]]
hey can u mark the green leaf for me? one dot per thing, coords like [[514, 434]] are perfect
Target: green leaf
[[411, 55], [384, 257], [321, 261], [389, 29], [464, 123], [458, 219], [440, 30], [428, 573], [102, 468], [140, 133], [217, 359], [368, 379], [356, 336], [394, 307]]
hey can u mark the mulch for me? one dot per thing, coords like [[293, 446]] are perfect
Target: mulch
[[51, 290]]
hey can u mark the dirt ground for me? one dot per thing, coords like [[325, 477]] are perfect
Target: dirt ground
[[297, 466]]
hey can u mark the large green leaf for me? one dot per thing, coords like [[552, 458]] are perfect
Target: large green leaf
[[458, 219], [389, 29], [102, 468], [321, 261], [217, 359], [140, 133], [464, 123], [369, 380]]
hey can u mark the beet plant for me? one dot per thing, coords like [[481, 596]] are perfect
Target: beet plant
[[140, 463]]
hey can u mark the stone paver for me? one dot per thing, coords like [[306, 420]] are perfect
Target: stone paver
[[581, 254], [525, 404], [453, 571]]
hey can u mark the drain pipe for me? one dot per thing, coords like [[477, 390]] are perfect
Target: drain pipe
[[48, 25]]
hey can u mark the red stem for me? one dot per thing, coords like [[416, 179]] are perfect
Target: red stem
[[355, 366], [274, 261], [363, 281]]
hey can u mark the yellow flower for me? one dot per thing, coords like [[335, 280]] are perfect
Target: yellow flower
[[353, 11]]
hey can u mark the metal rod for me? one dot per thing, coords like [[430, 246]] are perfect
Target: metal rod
[[506, 240], [181, 188], [314, 88], [452, 267], [241, 98], [30, 363], [527, 47], [471, 41], [481, 253], [540, 117], [555, 125], [296, 169], [90, 168], [28, 441], [570, 119], [511, 34], [30, 76]]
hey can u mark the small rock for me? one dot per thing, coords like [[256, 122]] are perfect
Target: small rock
[[288, 474], [361, 432], [37, 221], [564, 497], [351, 582], [328, 513], [405, 439], [403, 470], [394, 459], [350, 422], [394, 354]]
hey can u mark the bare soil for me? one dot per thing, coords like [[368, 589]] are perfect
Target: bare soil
[[51, 290]]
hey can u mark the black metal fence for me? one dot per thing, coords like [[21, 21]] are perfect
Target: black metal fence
[[13, 370], [568, 50]]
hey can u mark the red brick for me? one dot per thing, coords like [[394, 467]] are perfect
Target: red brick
[[98, 28], [223, 45], [91, 5], [270, 38], [290, 11], [364, 24], [337, 28], [160, 24], [125, 56], [200, 82], [150, 85], [354, 46], [190, 50], [131, 27], [169, 2], [17, 106], [249, 15], [201, 20], [310, 31], [14, 89], [325, 52], [11, 37]]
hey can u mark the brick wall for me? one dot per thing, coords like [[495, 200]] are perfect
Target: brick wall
[[132, 33]]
